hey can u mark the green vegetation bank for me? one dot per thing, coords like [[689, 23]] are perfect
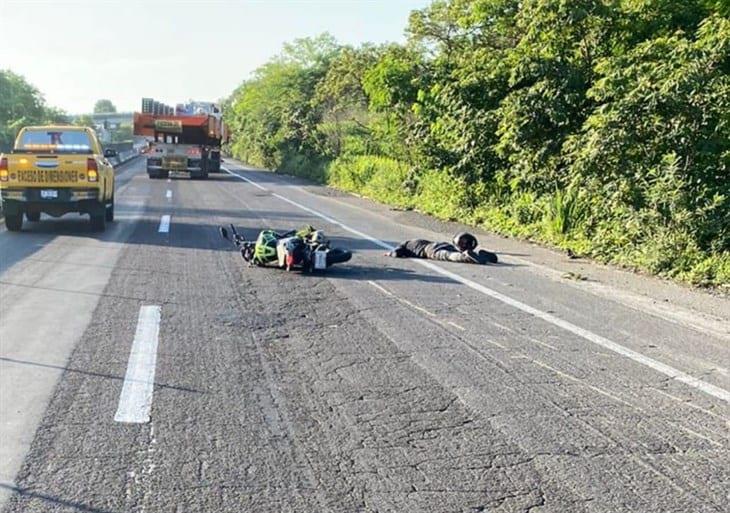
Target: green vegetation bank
[[602, 126]]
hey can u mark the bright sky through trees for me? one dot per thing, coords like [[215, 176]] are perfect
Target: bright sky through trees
[[76, 52]]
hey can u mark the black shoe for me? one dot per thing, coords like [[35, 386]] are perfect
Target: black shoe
[[471, 257], [481, 257], [487, 257]]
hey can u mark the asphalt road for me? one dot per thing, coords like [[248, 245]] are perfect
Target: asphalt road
[[146, 369]]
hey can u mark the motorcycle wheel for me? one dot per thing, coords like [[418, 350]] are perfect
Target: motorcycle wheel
[[338, 256]]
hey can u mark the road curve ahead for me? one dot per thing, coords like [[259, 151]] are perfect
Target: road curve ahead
[[146, 369]]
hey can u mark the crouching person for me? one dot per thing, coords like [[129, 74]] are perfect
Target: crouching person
[[465, 249]]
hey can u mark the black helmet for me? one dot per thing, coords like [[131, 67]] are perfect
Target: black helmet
[[465, 241]]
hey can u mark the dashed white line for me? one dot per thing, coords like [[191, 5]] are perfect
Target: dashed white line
[[699, 435], [400, 299], [582, 382], [594, 338], [168, 195], [382, 289], [135, 401], [540, 342], [164, 224]]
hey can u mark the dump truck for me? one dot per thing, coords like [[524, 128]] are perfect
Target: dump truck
[[181, 140], [56, 170]]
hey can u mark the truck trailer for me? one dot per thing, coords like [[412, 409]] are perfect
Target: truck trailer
[[186, 141]]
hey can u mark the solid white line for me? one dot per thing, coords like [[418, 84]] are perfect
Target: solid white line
[[135, 401], [242, 178], [164, 224], [599, 340], [168, 195]]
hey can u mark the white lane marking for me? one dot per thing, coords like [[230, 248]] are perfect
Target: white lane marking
[[164, 224], [686, 402], [456, 326], [540, 342], [169, 180], [698, 321], [673, 313], [382, 289], [582, 382], [168, 195], [135, 401], [401, 300], [501, 326], [698, 435], [242, 178], [599, 340]]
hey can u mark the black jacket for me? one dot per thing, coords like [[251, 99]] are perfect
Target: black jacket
[[420, 248]]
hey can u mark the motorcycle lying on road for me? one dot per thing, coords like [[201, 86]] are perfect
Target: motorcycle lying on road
[[305, 249]]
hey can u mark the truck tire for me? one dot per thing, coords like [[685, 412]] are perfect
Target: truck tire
[[33, 217], [109, 214], [14, 222], [98, 219]]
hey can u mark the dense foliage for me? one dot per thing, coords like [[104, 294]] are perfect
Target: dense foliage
[[602, 126], [104, 106], [21, 104]]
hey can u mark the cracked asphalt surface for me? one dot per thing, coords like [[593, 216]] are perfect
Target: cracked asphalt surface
[[379, 386]]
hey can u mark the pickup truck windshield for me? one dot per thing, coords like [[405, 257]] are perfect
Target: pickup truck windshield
[[54, 141]]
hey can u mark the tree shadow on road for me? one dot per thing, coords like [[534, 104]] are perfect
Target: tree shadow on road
[[26, 495], [92, 373]]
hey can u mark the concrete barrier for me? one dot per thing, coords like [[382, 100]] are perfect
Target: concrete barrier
[[124, 156]]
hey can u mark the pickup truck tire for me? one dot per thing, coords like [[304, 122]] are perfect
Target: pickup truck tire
[[33, 217], [14, 222], [109, 214], [98, 220]]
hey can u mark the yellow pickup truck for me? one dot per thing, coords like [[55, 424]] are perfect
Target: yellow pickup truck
[[56, 170]]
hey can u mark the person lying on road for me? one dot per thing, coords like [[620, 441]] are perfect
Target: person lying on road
[[464, 249]]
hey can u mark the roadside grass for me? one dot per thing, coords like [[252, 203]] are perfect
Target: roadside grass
[[566, 219]]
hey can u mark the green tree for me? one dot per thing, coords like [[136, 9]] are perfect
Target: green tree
[[104, 106], [20, 105], [343, 103], [660, 144], [85, 120], [272, 115], [122, 134], [596, 125]]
